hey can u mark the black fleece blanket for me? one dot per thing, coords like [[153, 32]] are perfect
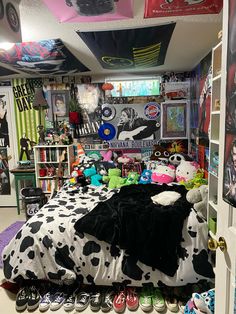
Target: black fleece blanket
[[150, 233]]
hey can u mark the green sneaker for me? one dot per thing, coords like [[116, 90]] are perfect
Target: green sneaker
[[158, 301], [145, 299]]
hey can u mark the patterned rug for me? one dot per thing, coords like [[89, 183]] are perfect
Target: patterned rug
[[7, 235]]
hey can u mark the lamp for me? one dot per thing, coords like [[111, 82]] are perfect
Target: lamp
[[40, 103]]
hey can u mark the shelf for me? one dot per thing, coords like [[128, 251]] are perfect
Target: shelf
[[216, 112], [217, 46], [216, 78], [53, 177], [51, 162], [213, 205], [213, 174]]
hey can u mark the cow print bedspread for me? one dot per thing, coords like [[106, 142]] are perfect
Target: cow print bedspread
[[48, 247]]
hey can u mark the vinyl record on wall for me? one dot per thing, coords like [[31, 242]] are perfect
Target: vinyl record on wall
[[108, 112], [107, 131]]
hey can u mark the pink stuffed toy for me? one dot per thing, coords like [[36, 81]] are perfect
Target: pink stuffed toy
[[107, 156], [186, 170], [164, 174]]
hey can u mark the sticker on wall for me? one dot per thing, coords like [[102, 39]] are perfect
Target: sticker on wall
[[42, 57], [107, 131], [75, 11], [130, 48], [152, 110], [108, 112], [160, 8]]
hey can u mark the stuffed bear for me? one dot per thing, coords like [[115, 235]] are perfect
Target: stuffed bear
[[132, 178], [176, 158], [114, 178], [145, 177], [198, 197], [186, 170], [164, 174], [201, 303], [93, 175]]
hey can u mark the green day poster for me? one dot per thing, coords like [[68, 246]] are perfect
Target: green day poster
[[27, 118], [130, 48]]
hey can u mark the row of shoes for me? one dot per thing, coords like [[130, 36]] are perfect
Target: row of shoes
[[72, 297]]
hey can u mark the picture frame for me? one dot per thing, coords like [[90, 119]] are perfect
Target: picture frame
[[58, 105], [174, 119]]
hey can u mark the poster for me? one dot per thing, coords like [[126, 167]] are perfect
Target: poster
[[229, 181], [90, 98], [130, 48], [45, 57], [5, 187], [133, 121], [174, 120], [10, 21], [27, 118], [161, 8], [90, 10]]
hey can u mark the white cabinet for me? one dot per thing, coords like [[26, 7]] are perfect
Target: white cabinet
[[213, 201], [52, 165]]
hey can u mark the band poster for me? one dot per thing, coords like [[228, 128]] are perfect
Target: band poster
[[229, 181], [5, 186]]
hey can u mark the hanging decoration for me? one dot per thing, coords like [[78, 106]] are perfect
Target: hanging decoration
[[130, 48], [45, 57], [161, 8], [90, 11]]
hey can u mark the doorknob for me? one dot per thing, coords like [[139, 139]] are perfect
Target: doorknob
[[214, 244]]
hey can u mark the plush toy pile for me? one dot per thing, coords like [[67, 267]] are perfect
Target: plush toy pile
[[107, 167]]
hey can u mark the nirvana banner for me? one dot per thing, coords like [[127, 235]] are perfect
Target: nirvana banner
[[160, 8], [130, 48], [90, 10], [46, 57]]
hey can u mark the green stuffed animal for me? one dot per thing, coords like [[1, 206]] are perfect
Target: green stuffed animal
[[114, 179], [132, 178]]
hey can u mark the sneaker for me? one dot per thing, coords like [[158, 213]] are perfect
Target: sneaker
[[34, 299], [82, 301], [119, 302], [172, 305], [158, 301], [95, 301], [145, 299], [107, 300], [58, 299], [131, 299], [22, 299], [45, 302], [69, 304]]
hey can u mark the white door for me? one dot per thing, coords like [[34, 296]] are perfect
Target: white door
[[226, 214], [8, 147]]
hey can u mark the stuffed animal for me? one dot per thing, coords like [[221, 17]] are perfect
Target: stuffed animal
[[114, 178], [186, 170], [124, 159], [145, 177], [176, 158], [160, 153], [107, 156], [201, 303], [198, 197], [164, 174], [132, 178], [197, 180], [93, 175]]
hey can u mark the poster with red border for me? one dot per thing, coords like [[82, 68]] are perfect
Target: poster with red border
[[161, 8]]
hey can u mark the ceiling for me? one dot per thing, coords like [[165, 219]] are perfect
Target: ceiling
[[193, 37]]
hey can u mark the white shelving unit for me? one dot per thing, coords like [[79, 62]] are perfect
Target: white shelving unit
[[52, 156], [214, 139]]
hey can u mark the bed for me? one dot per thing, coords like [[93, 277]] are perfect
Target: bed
[[48, 247]]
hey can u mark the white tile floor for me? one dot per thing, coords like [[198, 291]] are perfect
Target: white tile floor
[[7, 299]]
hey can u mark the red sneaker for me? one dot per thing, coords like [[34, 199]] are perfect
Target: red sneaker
[[131, 299], [119, 302]]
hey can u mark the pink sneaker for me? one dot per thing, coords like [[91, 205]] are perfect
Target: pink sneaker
[[119, 302], [131, 299]]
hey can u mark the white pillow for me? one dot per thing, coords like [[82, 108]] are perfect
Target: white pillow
[[166, 198]]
